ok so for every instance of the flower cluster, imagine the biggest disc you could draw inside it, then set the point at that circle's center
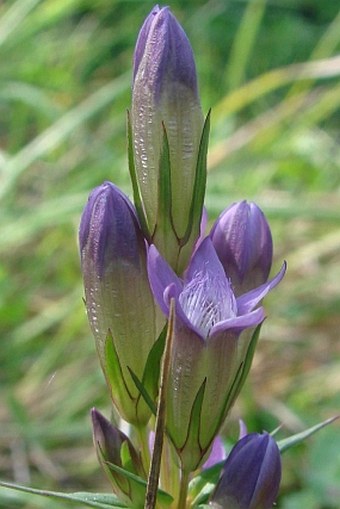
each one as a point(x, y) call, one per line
point(150, 262)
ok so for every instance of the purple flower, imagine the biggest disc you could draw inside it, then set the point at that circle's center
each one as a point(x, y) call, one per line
point(114, 447)
point(165, 96)
point(206, 347)
point(113, 261)
point(243, 242)
point(251, 475)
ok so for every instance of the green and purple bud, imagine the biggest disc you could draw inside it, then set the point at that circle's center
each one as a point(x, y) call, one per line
point(114, 449)
point(243, 242)
point(167, 129)
point(120, 306)
point(209, 360)
point(251, 475)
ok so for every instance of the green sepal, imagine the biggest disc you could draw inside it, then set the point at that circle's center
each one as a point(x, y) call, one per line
point(240, 377)
point(98, 500)
point(195, 215)
point(164, 222)
point(125, 457)
point(164, 234)
point(114, 375)
point(120, 484)
point(153, 364)
point(191, 452)
point(247, 361)
point(164, 497)
point(137, 198)
point(200, 182)
point(148, 386)
point(289, 442)
point(146, 396)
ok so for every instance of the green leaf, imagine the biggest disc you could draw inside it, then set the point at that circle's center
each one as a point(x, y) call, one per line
point(286, 443)
point(99, 500)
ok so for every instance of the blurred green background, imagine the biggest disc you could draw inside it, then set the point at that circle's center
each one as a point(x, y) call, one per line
point(270, 72)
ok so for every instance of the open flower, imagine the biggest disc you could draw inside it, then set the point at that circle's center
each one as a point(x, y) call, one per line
point(251, 475)
point(207, 356)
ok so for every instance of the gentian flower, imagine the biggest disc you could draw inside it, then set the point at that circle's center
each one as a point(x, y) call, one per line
point(207, 355)
point(251, 475)
point(243, 243)
point(115, 448)
point(165, 100)
point(120, 307)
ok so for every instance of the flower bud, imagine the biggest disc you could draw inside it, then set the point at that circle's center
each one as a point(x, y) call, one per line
point(119, 302)
point(114, 447)
point(251, 475)
point(165, 99)
point(243, 242)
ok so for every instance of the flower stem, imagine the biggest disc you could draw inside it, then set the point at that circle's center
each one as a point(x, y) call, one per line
point(142, 433)
point(182, 501)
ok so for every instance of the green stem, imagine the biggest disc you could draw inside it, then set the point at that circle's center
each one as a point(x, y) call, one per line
point(183, 492)
point(142, 434)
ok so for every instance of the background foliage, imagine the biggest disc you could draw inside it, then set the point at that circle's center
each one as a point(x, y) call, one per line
point(64, 88)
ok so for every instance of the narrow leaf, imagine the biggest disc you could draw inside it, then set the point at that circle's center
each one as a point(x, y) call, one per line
point(286, 443)
point(99, 500)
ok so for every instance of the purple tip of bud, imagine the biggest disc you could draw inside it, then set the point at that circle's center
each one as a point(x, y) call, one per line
point(243, 242)
point(107, 437)
point(142, 38)
point(109, 228)
point(251, 475)
point(163, 52)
